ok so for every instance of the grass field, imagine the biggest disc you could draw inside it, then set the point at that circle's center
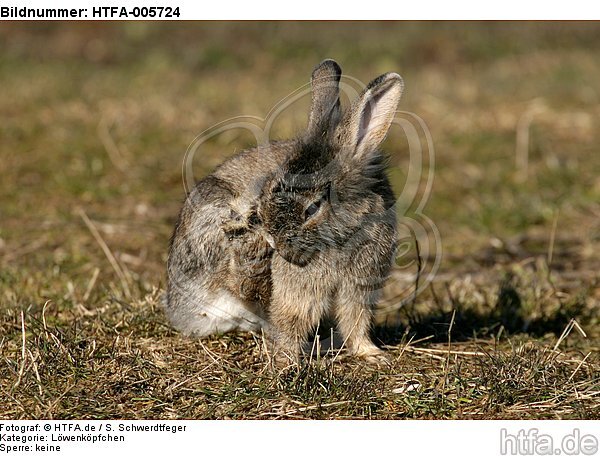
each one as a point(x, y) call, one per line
point(95, 122)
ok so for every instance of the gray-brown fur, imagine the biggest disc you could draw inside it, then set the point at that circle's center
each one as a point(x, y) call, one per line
point(214, 248)
point(310, 233)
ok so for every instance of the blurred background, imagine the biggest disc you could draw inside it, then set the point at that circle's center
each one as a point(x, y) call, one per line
point(96, 119)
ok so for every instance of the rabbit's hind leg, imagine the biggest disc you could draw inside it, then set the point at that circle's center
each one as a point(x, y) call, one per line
point(205, 313)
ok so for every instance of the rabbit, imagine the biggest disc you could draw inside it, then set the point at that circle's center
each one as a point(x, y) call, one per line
point(329, 213)
point(310, 232)
point(218, 267)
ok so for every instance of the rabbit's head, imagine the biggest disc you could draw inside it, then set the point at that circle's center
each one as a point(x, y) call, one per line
point(334, 180)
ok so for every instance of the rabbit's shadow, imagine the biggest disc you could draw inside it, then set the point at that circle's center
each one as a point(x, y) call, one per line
point(461, 322)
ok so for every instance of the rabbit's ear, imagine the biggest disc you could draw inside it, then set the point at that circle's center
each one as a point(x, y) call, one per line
point(325, 102)
point(368, 120)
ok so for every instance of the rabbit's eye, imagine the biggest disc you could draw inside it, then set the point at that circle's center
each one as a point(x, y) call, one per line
point(312, 210)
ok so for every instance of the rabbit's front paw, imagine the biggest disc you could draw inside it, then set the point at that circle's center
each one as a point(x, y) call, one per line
point(283, 353)
point(381, 359)
point(373, 355)
point(283, 360)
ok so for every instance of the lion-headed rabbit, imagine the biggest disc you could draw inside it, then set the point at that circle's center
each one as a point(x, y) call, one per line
point(280, 236)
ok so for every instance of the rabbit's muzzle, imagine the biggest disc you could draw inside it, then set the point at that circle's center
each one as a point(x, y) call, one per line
point(295, 250)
